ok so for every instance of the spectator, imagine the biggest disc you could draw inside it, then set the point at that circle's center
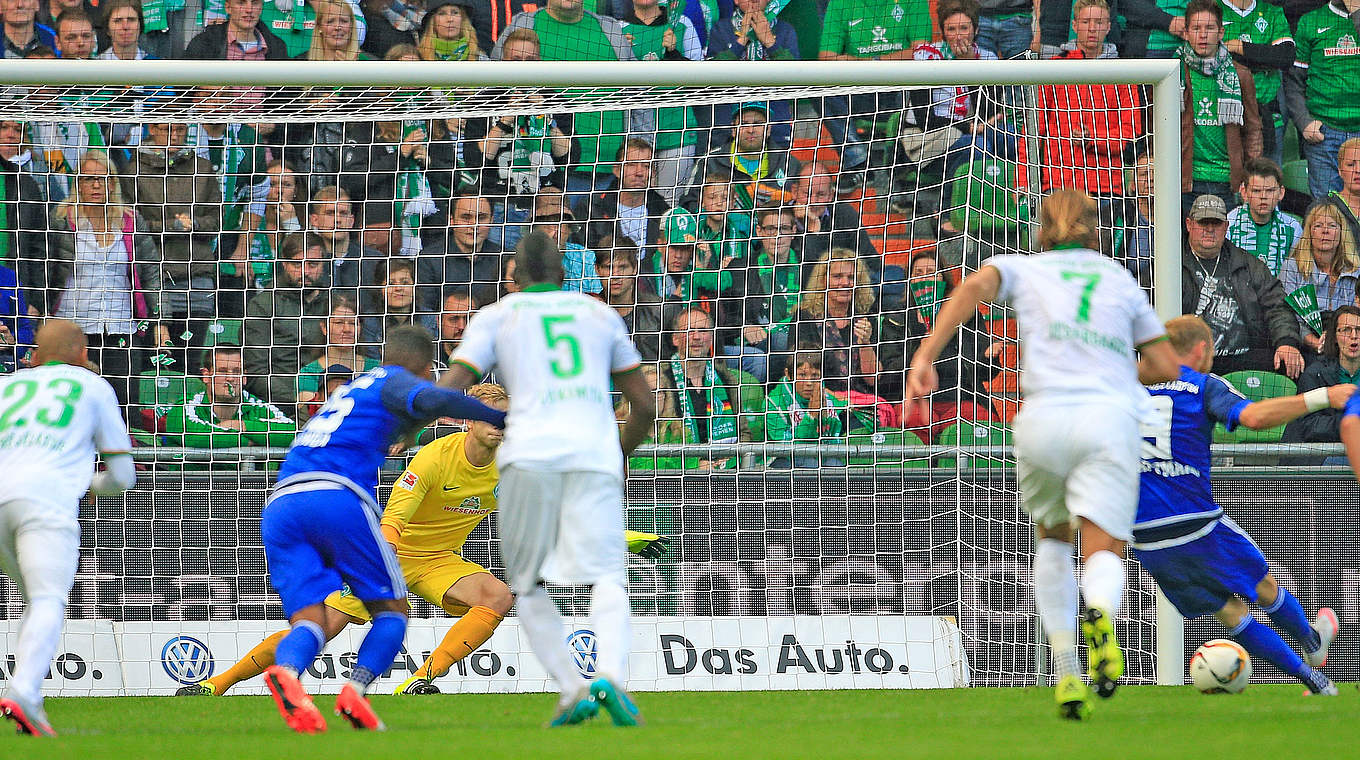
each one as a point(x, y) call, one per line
point(123, 23)
point(390, 165)
point(243, 37)
point(390, 23)
point(1087, 127)
point(837, 317)
point(629, 201)
point(293, 22)
point(671, 266)
point(16, 327)
point(330, 219)
point(104, 271)
point(713, 402)
point(642, 312)
point(446, 33)
point(282, 204)
point(862, 30)
point(1319, 90)
point(553, 216)
point(1235, 293)
point(49, 11)
point(281, 324)
point(1257, 35)
point(458, 309)
point(61, 144)
point(396, 308)
point(656, 36)
point(466, 259)
point(718, 277)
point(755, 33)
point(777, 267)
point(1152, 28)
point(800, 408)
point(1258, 226)
point(224, 414)
point(568, 32)
point(23, 219)
point(376, 232)
point(759, 169)
point(1005, 27)
point(723, 235)
point(23, 34)
point(340, 357)
point(1339, 363)
point(1347, 199)
point(963, 365)
point(334, 37)
point(1321, 276)
point(826, 221)
point(15, 150)
point(1220, 125)
point(1128, 234)
point(75, 35)
point(175, 192)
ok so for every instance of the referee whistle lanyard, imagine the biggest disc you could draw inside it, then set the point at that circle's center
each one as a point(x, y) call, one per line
point(722, 418)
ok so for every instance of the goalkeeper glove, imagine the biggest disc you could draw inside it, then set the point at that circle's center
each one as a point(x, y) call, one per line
point(646, 545)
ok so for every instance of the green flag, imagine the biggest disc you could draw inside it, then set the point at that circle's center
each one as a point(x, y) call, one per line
point(928, 295)
point(1304, 301)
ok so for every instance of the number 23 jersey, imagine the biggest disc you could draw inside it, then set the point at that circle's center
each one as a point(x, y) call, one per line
point(554, 352)
point(1081, 317)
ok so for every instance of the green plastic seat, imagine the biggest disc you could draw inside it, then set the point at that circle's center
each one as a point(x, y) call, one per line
point(981, 433)
point(223, 332)
point(887, 437)
point(1296, 176)
point(1257, 386)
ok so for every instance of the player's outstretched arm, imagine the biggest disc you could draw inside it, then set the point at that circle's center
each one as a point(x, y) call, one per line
point(458, 377)
point(1158, 362)
point(431, 402)
point(641, 409)
point(982, 285)
point(1259, 415)
point(119, 477)
point(646, 545)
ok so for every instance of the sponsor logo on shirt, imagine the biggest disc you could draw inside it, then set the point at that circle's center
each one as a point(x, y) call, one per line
point(898, 13)
point(1261, 24)
point(472, 505)
point(408, 480)
point(1344, 46)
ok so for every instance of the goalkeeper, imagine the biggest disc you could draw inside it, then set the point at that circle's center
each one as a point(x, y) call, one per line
point(448, 489)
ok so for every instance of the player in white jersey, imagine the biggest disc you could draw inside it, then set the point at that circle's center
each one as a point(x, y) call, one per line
point(1077, 440)
point(54, 417)
point(561, 464)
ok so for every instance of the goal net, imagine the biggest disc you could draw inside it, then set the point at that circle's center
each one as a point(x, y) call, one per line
point(778, 238)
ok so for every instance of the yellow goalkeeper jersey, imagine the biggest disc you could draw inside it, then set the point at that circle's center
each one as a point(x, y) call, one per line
point(439, 499)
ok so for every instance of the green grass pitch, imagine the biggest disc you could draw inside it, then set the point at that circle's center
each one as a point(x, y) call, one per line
point(995, 723)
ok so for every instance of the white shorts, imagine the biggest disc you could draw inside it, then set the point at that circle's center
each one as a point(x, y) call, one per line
point(562, 527)
point(1078, 461)
point(39, 549)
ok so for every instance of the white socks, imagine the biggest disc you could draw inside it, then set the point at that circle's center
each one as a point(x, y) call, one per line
point(1102, 582)
point(1055, 594)
point(542, 624)
point(610, 615)
point(39, 634)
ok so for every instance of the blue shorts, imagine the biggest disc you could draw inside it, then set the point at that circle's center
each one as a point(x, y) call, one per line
point(315, 541)
point(1200, 577)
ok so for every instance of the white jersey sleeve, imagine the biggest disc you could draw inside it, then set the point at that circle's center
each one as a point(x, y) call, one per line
point(1147, 326)
point(626, 356)
point(110, 432)
point(478, 348)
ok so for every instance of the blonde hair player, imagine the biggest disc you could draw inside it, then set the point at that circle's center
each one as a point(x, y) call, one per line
point(1082, 317)
point(448, 490)
point(54, 417)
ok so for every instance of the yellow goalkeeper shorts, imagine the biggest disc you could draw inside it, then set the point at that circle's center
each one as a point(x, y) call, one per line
point(428, 576)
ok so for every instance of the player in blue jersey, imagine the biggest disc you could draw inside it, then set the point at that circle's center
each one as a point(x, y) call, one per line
point(320, 525)
point(1200, 558)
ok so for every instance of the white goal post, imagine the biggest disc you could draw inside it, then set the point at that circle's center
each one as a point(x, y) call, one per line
point(31, 91)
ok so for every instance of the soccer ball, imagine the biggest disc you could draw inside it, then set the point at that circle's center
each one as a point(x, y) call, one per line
point(1220, 666)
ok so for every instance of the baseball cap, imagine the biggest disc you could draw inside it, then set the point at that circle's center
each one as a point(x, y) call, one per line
point(679, 227)
point(1209, 207)
point(339, 371)
point(754, 105)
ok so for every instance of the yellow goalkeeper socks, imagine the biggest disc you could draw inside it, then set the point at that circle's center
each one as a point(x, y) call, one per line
point(253, 664)
point(471, 631)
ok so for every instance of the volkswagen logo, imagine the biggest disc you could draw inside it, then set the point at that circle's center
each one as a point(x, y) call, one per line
point(583, 652)
point(186, 660)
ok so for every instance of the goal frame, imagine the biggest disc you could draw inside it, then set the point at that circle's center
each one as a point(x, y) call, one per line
point(1162, 76)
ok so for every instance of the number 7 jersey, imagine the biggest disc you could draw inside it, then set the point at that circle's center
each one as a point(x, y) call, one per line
point(53, 420)
point(1081, 316)
point(554, 352)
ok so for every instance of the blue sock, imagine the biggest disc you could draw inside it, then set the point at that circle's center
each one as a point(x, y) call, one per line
point(1288, 614)
point(300, 646)
point(379, 648)
point(1262, 641)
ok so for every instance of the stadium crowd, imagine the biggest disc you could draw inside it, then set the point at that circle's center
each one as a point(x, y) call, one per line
point(777, 262)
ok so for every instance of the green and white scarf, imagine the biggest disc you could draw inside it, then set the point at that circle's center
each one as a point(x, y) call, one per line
point(414, 199)
point(722, 414)
point(1227, 92)
point(452, 50)
point(1304, 302)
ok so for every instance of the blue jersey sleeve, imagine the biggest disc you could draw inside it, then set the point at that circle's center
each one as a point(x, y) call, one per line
point(429, 402)
point(1352, 408)
point(1222, 402)
point(398, 394)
